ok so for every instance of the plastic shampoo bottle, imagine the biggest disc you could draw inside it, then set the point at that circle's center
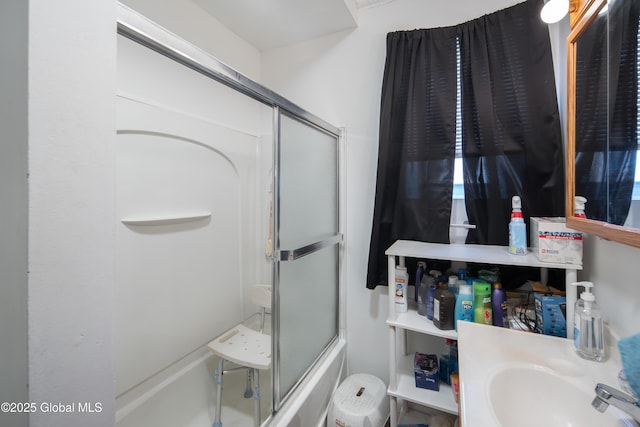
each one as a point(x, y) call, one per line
point(420, 269)
point(499, 305)
point(431, 289)
point(402, 282)
point(464, 303)
point(423, 290)
point(482, 302)
point(517, 229)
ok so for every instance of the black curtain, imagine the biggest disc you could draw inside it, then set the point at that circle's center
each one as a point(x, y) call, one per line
point(511, 131)
point(417, 143)
point(511, 141)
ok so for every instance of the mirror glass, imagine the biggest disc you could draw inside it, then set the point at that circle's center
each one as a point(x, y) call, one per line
point(591, 117)
point(603, 98)
point(623, 195)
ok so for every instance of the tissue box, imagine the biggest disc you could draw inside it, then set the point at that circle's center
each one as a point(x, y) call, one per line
point(551, 315)
point(553, 241)
point(425, 369)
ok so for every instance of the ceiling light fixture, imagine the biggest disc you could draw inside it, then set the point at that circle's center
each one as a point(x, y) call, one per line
point(554, 11)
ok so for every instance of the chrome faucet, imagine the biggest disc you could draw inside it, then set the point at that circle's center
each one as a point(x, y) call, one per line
point(606, 395)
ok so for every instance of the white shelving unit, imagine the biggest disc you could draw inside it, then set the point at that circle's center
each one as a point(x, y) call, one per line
point(401, 379)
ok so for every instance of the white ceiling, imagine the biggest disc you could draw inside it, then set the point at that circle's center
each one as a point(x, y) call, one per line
point(268, 24)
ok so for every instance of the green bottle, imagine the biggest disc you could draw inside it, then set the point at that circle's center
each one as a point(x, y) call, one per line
point(482, 302)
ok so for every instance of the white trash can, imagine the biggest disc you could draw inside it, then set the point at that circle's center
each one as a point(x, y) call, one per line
point(360, 401)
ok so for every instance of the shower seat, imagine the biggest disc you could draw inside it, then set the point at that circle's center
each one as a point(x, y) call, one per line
point(248, 347)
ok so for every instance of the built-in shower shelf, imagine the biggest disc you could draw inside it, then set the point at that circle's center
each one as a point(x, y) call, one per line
point(165, 220)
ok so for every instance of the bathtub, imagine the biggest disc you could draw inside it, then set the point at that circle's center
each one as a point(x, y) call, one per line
point(308, 405)
point(184, 395)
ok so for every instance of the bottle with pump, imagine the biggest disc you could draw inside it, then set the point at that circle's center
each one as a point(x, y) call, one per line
point(517, 229)
point(401, 285)
point(588, 335)
point(578, 207)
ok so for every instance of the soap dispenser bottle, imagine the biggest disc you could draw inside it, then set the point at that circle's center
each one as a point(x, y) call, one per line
point(588, 335)
point(517, 229)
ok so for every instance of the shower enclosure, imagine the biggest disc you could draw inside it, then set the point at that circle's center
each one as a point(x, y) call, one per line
point(222, 184)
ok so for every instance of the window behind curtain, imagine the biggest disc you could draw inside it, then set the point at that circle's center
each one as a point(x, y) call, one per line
point(459, 219)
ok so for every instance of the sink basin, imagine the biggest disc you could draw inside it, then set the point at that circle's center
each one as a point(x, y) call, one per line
point(514, 392)
point(513, 378)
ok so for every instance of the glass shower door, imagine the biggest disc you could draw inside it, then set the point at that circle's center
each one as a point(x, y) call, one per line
point(308, 238)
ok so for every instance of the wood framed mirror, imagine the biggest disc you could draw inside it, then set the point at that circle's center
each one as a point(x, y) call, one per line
point(603, 124)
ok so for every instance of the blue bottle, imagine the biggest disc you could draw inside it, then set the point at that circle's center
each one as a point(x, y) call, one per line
point(464, 304)
point(517, 229)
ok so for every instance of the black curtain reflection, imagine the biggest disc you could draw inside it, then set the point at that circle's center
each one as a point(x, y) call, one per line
point(417, 143)
point(591, 118)
point(607, 112)
point(623, 105)
point(512, 143)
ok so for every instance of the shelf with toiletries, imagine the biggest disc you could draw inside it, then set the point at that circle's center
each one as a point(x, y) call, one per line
point(402, 386)
point(405, 389)
point(412, 321)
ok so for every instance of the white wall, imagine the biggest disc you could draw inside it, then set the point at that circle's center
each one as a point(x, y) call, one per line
point(13, 210)
point(338, 77)
point(71, 242)
point(614, 269)
point(71, 208)
point(190, 22)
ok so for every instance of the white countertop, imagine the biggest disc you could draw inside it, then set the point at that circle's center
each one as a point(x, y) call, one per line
point(552, 379)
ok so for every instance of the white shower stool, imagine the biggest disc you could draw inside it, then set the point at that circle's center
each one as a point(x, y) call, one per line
point(247, 347)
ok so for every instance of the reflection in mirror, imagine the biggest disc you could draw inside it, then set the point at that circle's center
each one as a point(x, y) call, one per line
point(623, 109)
point(591, 118)
point(606, 138)
point(602, 103)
